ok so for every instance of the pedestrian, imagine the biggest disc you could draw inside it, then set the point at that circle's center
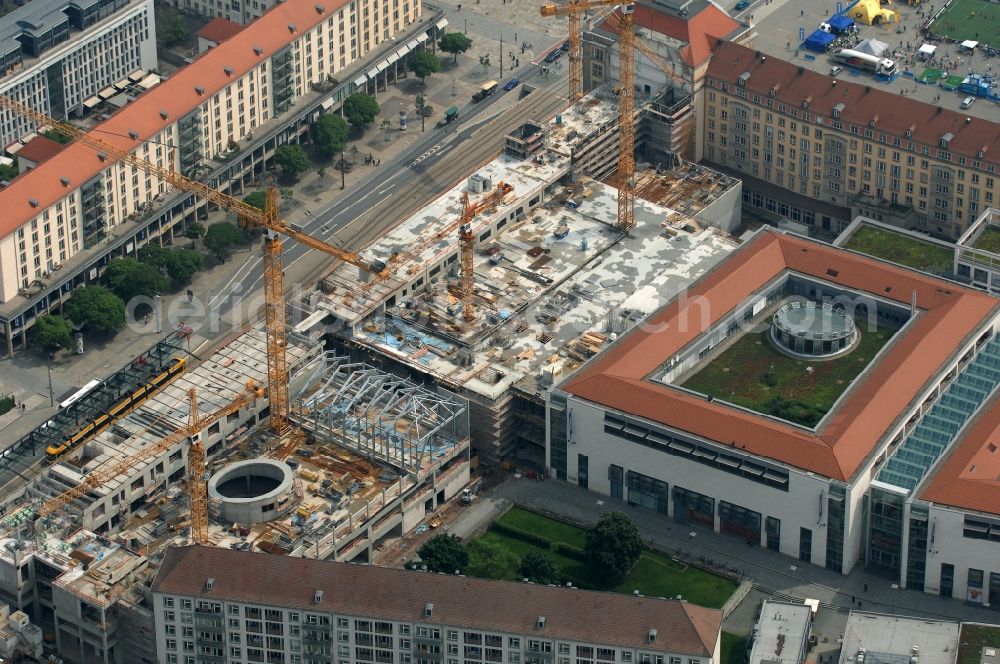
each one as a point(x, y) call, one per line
point(23, 406)
point(866, 585)
point(517, 62)
point(802, 12)
point(853, 599)
point(515, 37)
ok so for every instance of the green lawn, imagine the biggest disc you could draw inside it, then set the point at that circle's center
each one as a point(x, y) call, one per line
point(969, 19)
point(989, 240)
point(902, 249)
point(973, 639)
point(655, 575)
point(751, 373)
point(733, 648)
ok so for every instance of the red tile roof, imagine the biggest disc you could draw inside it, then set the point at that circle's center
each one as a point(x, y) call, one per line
point(892, 114)
point(699, 32)
point(219, 30)
point(402, 595)
point(40, 149)
point(951, 316)
point(969, 477)
point(176, 97)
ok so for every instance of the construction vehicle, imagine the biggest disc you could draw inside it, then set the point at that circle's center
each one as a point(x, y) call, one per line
point(251, 217)
point(196, 465)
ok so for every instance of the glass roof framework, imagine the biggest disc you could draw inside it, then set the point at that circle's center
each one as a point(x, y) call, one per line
point(939, 426)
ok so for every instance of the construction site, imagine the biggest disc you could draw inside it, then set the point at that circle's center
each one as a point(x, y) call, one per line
point(552, 277)
point(432, 348)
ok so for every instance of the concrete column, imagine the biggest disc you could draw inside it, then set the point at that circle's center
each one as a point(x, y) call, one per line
point(8, 331)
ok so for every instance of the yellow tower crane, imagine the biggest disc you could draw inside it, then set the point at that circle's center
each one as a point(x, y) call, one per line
point(268, 218)
point(467, 244)
point(626, 94)
point(196, 423)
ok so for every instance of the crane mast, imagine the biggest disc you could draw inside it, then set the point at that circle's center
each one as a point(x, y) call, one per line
point(197, 495)
point(101, 476)
point(274, 293)
point(626, 98)
point(626, 123)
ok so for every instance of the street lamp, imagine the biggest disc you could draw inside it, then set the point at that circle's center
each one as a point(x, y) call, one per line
point(343, 170)
point(156, 311)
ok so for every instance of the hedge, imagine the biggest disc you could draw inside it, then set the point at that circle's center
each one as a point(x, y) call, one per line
point(570, 551)
point(523, 535)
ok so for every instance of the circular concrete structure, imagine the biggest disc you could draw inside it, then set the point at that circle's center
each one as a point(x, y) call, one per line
point(810, 331)
point(252, 491)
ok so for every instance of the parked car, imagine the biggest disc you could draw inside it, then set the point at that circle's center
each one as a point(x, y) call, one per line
point(741, 5)
point(511, 84)
point(836, 69)
point(565, 45)
point(968, 101)
point(554, 55)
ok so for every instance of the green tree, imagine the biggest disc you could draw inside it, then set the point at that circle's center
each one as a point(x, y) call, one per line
point(8, 173)
point(194, 231)
point(222, 236)
point(492, 560)
point(455, 43)
point(321, 172)
point(386, 128)
point(423, 64)
point(56, 136)
point(329, 133)
point(360, 109)
point(421, 104)
point(129, 278)
point(181, 266)
point(444, 553)
point(154, 255)
point(539, 567)
point(175, 30)
point(292, 159)
point(257, 199)
point(97, 309)
point(613, 546)
point(52, 332)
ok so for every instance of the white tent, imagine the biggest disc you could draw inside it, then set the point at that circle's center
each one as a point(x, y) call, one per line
point(927, 51)
point(872, 47)
point(970, 44)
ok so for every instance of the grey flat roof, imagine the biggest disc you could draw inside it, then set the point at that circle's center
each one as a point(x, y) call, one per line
point(895, 639)
point(782, 632)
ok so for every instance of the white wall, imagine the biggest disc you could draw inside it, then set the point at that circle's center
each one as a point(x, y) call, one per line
point(799, 506)
point(950, 546)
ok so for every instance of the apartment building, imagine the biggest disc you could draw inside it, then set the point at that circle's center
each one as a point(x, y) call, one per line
point(200, 118)
point(212, 604)
point(821, 151)
point(55, 55)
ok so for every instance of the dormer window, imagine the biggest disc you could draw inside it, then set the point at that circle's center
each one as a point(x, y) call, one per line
point(909, 133)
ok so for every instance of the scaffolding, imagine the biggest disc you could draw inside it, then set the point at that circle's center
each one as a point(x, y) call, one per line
point(382, 416)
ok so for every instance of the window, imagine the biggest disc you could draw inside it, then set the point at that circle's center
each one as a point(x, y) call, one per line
point(168, 602)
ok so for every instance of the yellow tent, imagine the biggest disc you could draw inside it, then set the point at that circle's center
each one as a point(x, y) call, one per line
point(871, 12)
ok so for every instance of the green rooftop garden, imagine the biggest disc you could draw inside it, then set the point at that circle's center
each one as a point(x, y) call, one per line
point(988, 240)
point(902, 249)
point(973, 639)
point(752, 374)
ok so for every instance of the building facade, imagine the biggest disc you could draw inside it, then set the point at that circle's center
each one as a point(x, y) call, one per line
point(56, 55)
point(69, 209)
point(213, 604)
point(820, 151)
point(626, 426)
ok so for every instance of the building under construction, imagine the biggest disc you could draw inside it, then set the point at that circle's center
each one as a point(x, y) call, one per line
point(371, 456)
point(551, 277)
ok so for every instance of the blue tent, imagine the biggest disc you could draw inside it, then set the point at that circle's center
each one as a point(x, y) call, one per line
point(840, 23)
point(819, 41)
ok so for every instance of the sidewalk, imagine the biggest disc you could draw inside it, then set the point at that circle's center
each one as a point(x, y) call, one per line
point(772, 573)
